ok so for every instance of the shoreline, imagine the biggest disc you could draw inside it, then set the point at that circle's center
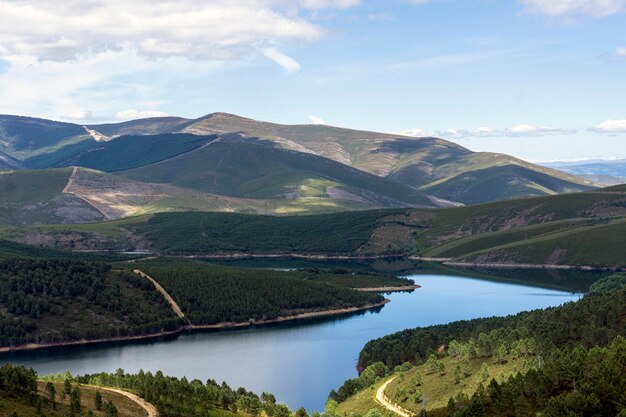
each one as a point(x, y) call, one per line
point(389, 289)
point(198, 327)
point(244, 255)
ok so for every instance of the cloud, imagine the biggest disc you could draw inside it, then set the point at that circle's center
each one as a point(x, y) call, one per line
point(132, 114)
point(620, 52)
point(566, 8)
point(610, 126)
point(523, 130)
point(316, 120)
point(288, 63)
point(196, 29)
point(79, 115)
point(328, 4)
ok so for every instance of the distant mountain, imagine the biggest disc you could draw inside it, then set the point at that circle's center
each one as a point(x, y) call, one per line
point(150, 126)
point(603, 172)
point(426, 163)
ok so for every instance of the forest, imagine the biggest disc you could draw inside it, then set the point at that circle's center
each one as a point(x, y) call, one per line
point(210, 294)
point(190, 233)
point(52, 301)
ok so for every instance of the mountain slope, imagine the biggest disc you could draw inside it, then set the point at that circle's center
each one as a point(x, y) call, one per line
point(418, 162)
point(149, 126)
point(24, 137)
point(240, 168)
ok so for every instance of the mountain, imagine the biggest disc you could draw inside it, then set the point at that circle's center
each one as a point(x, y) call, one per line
point(25, 137)
point(599, 171)
point(245, 158)
point(239, 167)
point(434, 165)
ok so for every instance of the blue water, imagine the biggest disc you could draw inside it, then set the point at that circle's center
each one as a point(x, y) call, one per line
point(299, 363)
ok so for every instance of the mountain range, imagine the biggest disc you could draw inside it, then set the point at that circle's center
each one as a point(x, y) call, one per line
point(224, 162)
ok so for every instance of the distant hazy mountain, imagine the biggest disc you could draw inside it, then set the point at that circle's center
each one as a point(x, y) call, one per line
point(601, 171)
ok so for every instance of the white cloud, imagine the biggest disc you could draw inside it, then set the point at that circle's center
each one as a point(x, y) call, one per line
point(197, 29)
point(316, 120)
point(132, 114)
point(79, 115)
point(565, 8)
point(523, 130)
point(620, 52)
point(610, 126)
point(328, 4)
point(288, 63)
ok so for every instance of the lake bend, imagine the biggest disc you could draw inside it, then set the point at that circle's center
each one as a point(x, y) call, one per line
point(298, 362)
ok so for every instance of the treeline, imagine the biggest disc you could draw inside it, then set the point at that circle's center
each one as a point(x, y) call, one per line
point(181, 397)
point(593, 321)
point(60, 300)
point(210, 294)
point(12, 250)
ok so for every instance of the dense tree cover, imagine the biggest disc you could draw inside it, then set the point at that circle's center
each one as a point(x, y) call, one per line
point(12, 250)
point(353, 279)
point(49, 301)
point(570, 382)
point(609, 283)
point(192, 232)
point(594, 320)
point(210, 294)
point(179, 397)
point(18, 381)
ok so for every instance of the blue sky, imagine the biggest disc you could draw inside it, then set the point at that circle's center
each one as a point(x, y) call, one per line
point(539, 79)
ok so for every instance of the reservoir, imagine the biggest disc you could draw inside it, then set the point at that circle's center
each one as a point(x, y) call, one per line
point(299, 362)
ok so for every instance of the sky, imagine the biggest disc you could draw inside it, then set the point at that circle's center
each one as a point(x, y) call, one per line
point(543, 80)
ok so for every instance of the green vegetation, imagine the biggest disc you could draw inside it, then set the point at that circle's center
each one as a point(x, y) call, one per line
point(247, 169)
point(22, 137)
point(437, 166)
point(188, 233)
point(210, 294)
point(182, 398)
point(610, 283)
point(551, 361)
point(353, 279)
point(30, 197)
point(57, 301)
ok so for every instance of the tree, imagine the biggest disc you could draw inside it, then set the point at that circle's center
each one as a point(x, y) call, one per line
point(74, 402)
point(98, 401)
point(417, 380)
point(301, 412)
point(110, 410)
point(67, 387)
point(52, 392)
point(483, 374)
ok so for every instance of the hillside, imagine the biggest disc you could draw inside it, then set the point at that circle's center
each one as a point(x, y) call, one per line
point(435, 166)
point(552, 362)
point(229, 165)
point(572, 229)
point(427, 163)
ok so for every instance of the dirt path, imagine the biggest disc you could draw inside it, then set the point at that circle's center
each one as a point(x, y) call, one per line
point(150, 409)
point(382, 398)
point(165, 294)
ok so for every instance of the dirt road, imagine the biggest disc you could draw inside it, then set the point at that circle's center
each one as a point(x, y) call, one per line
point(382, 398)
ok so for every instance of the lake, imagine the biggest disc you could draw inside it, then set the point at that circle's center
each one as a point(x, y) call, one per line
point(299, 363)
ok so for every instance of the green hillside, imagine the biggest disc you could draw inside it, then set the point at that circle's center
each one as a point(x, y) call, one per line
point(24, 137)
point(578, 229)
point(37, 197)
point(427, 163)
point(243, 169)
point(550, 362)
